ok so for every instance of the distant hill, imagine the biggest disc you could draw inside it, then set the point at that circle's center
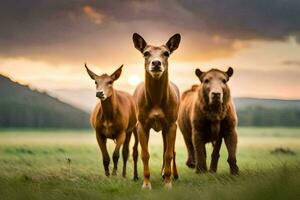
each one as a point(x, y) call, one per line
point(268, 112)
point(20, 106)
point(242, 103)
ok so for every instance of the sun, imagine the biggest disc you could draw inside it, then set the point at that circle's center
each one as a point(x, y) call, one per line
point(134, 80)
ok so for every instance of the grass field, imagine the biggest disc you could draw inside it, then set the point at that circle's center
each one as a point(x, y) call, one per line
point(34, 165)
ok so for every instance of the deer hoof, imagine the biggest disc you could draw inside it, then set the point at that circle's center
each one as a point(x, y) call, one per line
point(107, 173)
point(168, 185)
point(175, 177)
point(147, 186)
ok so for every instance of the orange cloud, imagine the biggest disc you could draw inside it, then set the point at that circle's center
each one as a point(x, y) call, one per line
point(95, 16)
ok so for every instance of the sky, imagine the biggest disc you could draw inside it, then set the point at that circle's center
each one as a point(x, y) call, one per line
point(45, 43)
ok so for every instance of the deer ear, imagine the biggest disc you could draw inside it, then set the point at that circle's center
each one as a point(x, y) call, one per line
point(139, 42)
point(91, 74)
point(229, 72)
point(198, 73)
point(117, 73)
point(173, 42)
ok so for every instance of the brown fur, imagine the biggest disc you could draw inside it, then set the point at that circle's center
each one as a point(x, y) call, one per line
point(157, 102)
point(115, 118)
point(201, 123)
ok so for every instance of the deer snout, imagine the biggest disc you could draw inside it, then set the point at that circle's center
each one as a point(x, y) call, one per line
point(100, 94)
point(216, 95)
point(156, 66)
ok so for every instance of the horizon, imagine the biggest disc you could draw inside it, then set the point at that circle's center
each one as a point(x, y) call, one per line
point(85, 100)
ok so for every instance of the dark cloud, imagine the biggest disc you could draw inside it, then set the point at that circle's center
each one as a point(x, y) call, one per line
point(255, 19)
point(58, 30)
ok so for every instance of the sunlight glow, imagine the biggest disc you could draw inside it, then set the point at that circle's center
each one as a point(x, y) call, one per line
point(134, 80)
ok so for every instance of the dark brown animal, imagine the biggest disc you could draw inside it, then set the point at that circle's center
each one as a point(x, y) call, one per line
point(207, 114)
point(157, 102)
point(114, 117)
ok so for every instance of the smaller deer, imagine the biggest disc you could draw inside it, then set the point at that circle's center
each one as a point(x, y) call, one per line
point(114, 117)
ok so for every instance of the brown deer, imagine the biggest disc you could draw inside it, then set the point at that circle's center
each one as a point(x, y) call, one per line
point(114, 117)
point(207, 114)
point(157, 105)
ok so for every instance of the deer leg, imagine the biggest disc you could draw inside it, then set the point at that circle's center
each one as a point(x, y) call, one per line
point(144, 138)
point(135, 154)
point(175, 171)
point(200, 152)
point(231, 143)
point(170, 135)
point(190, 148)
point(102, 144)
point(119, 141)
point(125, 152)
point(215, 155)
point(164, 150)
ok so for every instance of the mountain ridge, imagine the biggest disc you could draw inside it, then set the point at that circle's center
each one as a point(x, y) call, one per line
point(22, 106)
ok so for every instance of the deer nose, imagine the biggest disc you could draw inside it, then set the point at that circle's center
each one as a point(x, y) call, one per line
point(216, 95)
point(156, 65)
point(100, 94)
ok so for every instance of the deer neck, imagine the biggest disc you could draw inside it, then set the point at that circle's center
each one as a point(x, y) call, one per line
point(157, 90)
point(109, 107)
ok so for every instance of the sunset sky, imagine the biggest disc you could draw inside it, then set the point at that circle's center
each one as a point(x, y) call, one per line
point(46, 43)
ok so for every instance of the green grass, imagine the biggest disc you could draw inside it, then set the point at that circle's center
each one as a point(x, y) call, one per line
point(33, 165)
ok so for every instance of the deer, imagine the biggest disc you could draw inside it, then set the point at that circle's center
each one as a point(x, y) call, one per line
point(114, 117)
point(157, 102)
point(207, 114)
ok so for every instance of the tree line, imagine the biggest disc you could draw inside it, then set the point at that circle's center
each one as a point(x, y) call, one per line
point(262, 116)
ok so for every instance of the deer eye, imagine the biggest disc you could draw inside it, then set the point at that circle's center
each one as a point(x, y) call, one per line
point(110, 82)
point(206, 81)
point(224, 81)
point(146, 54)
point(166, 53)
point(96, 82)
